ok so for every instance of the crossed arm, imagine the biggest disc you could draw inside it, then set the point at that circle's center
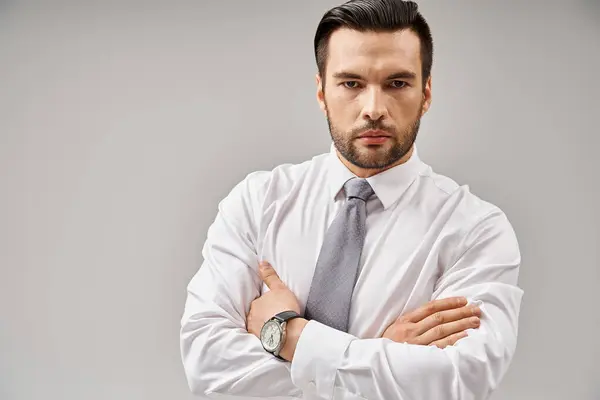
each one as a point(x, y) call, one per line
point(440, 322)
point(221, 356)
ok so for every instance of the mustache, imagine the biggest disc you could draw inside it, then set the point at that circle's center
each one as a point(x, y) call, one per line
point(372, 126)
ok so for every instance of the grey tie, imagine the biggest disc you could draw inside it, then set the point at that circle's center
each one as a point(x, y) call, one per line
point(337, 266)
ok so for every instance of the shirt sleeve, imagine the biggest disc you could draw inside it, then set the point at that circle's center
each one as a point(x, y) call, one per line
point(330, 364)
point(220, 357)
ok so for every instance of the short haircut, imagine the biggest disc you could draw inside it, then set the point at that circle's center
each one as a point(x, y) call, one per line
point(375, 16)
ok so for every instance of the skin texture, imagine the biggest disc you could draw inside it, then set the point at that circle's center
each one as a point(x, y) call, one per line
point(372, 82)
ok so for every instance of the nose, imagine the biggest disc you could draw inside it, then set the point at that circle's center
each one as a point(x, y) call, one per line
point(374, 107)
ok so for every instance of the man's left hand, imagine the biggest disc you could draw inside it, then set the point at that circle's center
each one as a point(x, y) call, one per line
point(279, 298)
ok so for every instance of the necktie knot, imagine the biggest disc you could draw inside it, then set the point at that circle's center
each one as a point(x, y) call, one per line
point(358, 188)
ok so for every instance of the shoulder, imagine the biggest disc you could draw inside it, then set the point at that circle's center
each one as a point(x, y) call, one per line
point(464, 204)
point(471, 221)
point(261, 186)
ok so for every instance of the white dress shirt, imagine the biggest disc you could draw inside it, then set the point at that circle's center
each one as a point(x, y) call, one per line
point(427, 238)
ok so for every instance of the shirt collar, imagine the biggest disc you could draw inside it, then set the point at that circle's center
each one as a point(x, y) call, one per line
point(388, 185)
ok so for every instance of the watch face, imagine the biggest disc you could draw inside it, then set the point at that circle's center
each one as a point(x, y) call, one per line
point(270, 335)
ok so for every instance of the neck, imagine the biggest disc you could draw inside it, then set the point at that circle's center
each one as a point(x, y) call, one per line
point(368, 172)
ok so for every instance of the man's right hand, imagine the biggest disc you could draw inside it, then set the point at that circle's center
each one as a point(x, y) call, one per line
point(440, 323)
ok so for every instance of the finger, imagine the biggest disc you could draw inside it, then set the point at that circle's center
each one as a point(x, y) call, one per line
point(450, 340)
point(434, 306)
point(443, 317)
point(269, 276)
point(444, 330)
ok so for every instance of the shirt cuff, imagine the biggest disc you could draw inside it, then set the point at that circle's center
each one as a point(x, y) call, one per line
point(319, 351)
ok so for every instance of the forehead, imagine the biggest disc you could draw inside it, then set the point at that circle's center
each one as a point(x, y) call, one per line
point(372, 52)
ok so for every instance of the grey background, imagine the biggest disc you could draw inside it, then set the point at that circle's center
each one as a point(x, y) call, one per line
point(123, 124)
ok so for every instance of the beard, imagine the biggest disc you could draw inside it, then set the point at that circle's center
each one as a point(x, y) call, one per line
point(374, 156)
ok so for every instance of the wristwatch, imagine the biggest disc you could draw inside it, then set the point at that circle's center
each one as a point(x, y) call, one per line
point(273, 332)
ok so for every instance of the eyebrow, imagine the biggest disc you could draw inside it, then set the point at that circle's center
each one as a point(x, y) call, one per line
point(398, 75)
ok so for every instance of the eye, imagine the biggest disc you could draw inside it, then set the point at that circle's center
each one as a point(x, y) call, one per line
point(397, 84)
point(350, 84)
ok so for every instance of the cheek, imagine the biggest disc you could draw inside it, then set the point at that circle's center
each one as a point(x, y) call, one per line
point(341, 119)
point(406, 107)
point(342, 109)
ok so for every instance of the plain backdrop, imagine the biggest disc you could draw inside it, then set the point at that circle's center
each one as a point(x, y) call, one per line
point(123, 124)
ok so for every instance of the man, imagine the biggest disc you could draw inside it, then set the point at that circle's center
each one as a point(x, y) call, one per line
point(361, 273)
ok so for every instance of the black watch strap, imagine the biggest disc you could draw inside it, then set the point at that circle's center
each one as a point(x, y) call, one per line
point(286, 316)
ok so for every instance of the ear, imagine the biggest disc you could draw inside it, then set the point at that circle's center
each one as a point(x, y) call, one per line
point(320, 93)
point(426, 97)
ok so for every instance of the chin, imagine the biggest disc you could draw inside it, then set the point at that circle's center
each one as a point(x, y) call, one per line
point(373, 160)
point(372, 149)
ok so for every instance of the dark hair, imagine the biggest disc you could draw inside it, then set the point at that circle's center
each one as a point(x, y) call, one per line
point(378, 16)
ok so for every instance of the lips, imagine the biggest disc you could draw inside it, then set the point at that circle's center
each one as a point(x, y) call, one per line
point(375, 134)
point(373, 140)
